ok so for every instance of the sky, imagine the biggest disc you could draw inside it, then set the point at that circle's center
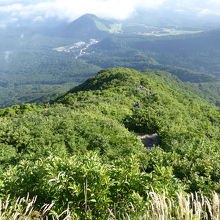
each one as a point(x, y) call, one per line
point(37, 10)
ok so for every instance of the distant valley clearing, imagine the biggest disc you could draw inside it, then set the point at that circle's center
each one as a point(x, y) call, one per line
point(79, 48)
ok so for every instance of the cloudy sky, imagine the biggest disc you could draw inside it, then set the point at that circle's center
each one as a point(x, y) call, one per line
point(119, 9)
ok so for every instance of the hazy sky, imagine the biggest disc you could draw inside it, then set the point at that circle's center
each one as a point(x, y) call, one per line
point(119, 9)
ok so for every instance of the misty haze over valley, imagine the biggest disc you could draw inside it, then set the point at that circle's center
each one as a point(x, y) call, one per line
point(39, 60)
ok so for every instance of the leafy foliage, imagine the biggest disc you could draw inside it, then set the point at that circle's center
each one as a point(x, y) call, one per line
point(82, 150)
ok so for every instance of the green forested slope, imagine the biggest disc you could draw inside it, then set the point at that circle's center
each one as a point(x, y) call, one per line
point(31, 70)
point(82, 150)
point(192, 58)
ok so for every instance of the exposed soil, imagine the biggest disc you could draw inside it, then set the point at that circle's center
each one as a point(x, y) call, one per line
point(148, 140)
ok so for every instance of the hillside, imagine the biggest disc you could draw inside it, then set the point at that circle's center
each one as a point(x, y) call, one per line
point(84, 151)
point(192, 58)
point(197, 52)
point(36, 66)
point(90, 26)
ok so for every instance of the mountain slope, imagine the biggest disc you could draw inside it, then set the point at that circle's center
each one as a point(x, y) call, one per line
point(198, 52)
point(88, 142)
point(193, 58)
point(90, 26)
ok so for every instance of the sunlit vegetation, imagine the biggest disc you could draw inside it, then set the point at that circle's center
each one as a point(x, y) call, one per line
point(158, 207)
point(31, 71)
point(192, 58)
point(81, 153)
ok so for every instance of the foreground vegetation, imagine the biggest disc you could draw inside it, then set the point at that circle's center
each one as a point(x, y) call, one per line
point(82, 153)
point(158, 207)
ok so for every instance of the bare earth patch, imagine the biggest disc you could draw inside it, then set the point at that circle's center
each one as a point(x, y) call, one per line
point(148, 140)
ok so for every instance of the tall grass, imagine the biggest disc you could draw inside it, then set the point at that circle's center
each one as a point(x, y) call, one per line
point(158, 207)
point(189, 207)
point(185, 207)
point(25, 209)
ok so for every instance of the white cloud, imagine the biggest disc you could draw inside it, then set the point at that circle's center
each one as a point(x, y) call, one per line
point(180, 11)
point(3, 26)
point(206, 11)
point(150, 4)
point(119, 9)
point(214, 2)
point(70, 9)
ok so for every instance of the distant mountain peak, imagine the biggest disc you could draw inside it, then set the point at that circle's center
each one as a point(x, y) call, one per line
point(88, 15)
point(90, 26)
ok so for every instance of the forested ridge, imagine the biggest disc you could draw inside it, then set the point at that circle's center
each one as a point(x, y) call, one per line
point(36, 67)
point(83, 152)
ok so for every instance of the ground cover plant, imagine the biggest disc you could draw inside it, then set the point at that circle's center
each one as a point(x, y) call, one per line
point(82, 153)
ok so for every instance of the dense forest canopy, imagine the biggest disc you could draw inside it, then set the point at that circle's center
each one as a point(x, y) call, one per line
point(84, 150)
point(37, 64)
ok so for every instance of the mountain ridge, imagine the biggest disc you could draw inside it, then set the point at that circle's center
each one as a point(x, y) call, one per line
point(94, 133)
point(90, 26)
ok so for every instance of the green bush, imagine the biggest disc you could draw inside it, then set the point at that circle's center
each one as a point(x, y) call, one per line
point(87, 185)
